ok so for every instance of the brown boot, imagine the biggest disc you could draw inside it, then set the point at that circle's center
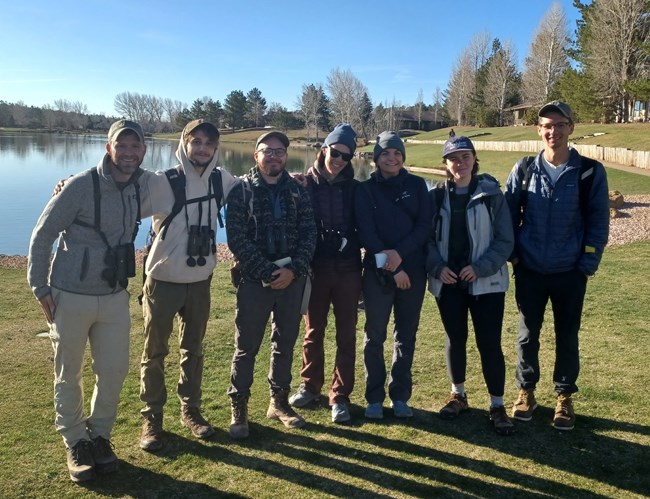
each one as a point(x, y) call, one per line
point(81, 464)
point(525, 404)
point(151, 439)
point(239, 419)
point(279, 408)
point(192, 419)
point(565, 417)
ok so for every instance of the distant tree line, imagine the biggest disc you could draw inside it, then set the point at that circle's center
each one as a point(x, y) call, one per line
point(604, 72)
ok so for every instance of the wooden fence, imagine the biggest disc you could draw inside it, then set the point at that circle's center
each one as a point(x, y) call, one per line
point(618, 155)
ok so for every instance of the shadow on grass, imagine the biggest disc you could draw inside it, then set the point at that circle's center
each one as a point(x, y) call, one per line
point(141, 483)
point(585, 451)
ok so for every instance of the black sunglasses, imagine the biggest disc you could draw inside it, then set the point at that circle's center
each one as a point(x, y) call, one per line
point(336, 153)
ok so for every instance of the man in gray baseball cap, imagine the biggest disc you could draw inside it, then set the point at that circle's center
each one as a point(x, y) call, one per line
point(82, 292)
point(559, 204)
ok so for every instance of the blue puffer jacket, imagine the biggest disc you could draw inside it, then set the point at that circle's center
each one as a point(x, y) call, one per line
point(551, 235)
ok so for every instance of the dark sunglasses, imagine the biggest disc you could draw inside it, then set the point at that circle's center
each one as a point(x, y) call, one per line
point(338, 154)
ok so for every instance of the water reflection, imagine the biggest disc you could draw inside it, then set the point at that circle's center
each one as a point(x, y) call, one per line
point(32, 163)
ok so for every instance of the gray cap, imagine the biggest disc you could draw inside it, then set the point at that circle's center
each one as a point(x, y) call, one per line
point(388, 140)
point(557, 106)
point(194, 124)
point(343, 133)
point(120, 125)
point(270, 135)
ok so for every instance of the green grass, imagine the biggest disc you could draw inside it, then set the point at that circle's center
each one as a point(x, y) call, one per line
point(605, 456)
point(630, 135)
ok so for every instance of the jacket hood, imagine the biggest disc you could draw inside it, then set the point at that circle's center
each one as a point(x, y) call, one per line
point(184, 160)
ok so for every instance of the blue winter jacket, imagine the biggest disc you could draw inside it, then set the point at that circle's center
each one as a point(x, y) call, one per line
point(551, 235)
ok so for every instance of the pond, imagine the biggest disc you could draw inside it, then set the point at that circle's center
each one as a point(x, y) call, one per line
point(32, 164)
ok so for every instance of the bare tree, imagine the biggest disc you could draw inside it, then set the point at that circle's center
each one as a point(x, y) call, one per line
point(419, 108)
point(172, 109)
point(346, 97)
point(437, 105)
point(547, 56)
point(616, 48)
point(460, 87)
point(311, 104)
point(500, 84)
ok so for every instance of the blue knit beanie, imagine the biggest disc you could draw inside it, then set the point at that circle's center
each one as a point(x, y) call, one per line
point(388, 140)
point(343, 133)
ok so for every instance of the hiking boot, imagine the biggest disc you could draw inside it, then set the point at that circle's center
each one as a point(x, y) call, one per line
point(239, 419)
point(565, 417)
point(501, 421)
point(192, 419)
point(456, 403)
point(524, 405)
point(340, 413)
point(279, 408)
point(105, 458)
point(81, 464)
point(151, 438)
point(401, 409)
point(303, 397)
point(374, 411)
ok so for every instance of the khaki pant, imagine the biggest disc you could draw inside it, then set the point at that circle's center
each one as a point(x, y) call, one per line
point(162, 302)
point(104, 322)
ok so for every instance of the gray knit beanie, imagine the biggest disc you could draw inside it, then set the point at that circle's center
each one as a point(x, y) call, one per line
point(388, 140)
point(343, 133)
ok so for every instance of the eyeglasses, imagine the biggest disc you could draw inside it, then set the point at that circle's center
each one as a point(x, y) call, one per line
point(279, 152)
point(562, 125)
point(335, 153)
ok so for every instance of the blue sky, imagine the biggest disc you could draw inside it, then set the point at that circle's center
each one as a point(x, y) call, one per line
point(91, 51)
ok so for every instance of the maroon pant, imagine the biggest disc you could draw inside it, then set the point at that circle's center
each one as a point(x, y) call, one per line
point(342, 291)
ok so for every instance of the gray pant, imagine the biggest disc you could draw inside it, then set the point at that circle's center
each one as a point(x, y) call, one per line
point(162, 302)
point(255, 304)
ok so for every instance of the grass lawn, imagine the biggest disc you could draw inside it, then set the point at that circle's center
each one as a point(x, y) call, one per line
point(607, 455)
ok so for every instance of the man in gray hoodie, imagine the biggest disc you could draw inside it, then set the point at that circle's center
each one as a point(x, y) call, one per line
point(179, 272)
point(83, 293)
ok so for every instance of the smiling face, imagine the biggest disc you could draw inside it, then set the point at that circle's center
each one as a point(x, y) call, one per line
point(126, 153)
point(554, 130)
point(201, 148)
point(271, 158)
point(460, 165)
point(334, 165)
point(390, 162)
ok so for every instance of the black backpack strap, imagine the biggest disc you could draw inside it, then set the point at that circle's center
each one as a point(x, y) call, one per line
point(524, 180)
point(176, 180)
point(587, 174)
point(217, 191)
point(138, 219)
point(438, 193)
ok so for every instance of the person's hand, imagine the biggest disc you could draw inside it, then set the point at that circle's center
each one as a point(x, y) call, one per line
point(300, 178)
point(393, 260)
point(59, 186)
point(402, 280)
point(467, 274)
point(281, 278)
point(448, 276)
point(48, 306)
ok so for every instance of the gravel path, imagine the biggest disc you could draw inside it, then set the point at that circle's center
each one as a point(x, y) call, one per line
point(632, 225)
